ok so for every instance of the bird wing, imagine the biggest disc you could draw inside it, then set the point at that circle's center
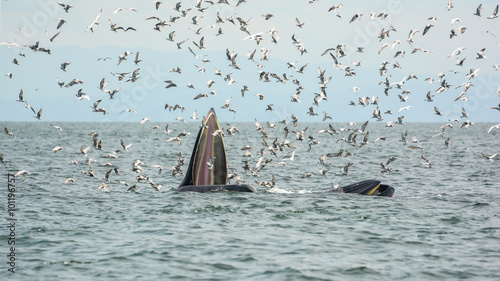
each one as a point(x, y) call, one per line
point(363, 127)
point(478, 9)
point(96, 21)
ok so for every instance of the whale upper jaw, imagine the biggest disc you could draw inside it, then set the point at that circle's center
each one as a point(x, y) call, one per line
point(207, 170)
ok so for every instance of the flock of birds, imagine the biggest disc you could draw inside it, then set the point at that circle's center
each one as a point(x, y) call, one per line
point(203, 21)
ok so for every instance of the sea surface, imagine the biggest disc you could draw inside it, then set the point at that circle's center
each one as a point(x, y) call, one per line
point(441, 224)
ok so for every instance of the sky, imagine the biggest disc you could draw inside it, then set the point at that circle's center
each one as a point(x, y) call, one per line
point(31, 21)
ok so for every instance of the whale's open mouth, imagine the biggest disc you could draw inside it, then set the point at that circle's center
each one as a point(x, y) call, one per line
point(208, 164)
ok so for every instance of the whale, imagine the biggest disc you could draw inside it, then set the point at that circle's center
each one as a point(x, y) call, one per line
point(207, 170)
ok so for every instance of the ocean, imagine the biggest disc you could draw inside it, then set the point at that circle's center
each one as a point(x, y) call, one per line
point(441, 224)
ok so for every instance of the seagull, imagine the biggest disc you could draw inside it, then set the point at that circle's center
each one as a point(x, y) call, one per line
point(495, 107)
point(95, 109)
point(494, 15)
point(171, 36)
point(168, 131)
point(64, 65)
point(356, 16)
point(180, 43)
point(57, 127)
point(157, 4)
point(102, 84)
point(335, 8)
point(437, 112)
point(179, 140)
point(411, 35)
point(180, 119)
point(426, 29)
point(210, 163)
point(8, 132)
point(85, 150)
point(21, 173)
point(405, 108)
point(244, 89)
point(450, 5)
point(460, 62)
point(403, 99)
point(464, 113)
point(301, 70)
point(454, 20)
point(472, 73)
point(195, 20)
point(202, 95)
point(113, 154)
point(61, 22)
point(57, 149)
point(382, 47)
point(267, 16)
point(497, 126)
point(66, 7)
point(299, 24)
point(152, 128)
point(478, 10)
point(400, 120)
point(345, 169)
point(295, 98)
point(126, 147)
point(136, 59)
point(39, 114)
point(68, 180)
point(384, 168)
point(129, 110)
point(95, 22)
point(447, 142)
point(21, 97)
point(480, 54)
point(461, 29)
point(117, 11)
point(170, 83)
point(427, 162)
point(103, 186)
point(144, 120)
point(112, 93)
point(9, 45)
point(489, 157)
point(376, 114)
point(195, 115)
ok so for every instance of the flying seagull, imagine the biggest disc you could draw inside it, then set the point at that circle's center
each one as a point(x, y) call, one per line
point(95, 22)
point(494, 15)
point(66, 7)
point(39, 114)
